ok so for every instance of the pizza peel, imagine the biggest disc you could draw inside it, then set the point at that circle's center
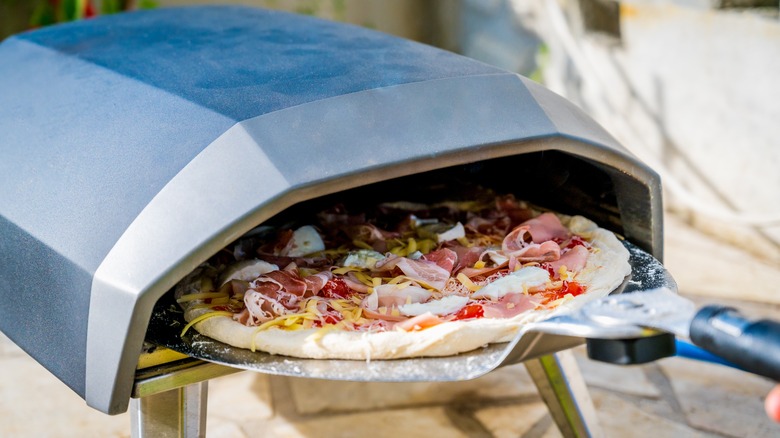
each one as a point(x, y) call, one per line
point(644, 305)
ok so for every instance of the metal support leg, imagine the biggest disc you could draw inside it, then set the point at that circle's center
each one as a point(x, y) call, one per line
point(179, 413)
point(563, 389)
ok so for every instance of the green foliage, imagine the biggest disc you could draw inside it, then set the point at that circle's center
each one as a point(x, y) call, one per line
point(147, 4)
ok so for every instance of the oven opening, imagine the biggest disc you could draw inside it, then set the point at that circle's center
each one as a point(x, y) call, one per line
point(550, 180)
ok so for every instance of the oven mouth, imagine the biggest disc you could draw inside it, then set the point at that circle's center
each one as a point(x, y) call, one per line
point(550, 179)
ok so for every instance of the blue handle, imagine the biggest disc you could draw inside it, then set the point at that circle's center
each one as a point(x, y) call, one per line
point(690, 351)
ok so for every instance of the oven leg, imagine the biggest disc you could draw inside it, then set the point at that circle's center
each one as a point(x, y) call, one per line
point(179, 412)
point(563, 389)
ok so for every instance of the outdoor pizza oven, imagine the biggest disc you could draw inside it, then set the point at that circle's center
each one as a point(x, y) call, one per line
point(135, 146)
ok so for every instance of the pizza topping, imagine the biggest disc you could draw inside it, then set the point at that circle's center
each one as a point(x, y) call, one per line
point(443, 306)
point(517, 281)
point(363, 258)
point(515, 245)
point(424, 271)
point(470, 311)
point(444, 258)
point(510, 305)
point(419, 322)
point(395, 295)
point(454, 233)
point(247, 270)
point(336, 288)
point(572, 260)
point(304, 241)
point(467, 256)
point(546, 227)
point(315, 282)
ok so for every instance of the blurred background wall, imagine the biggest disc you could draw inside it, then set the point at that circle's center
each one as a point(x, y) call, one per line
point(692, 87)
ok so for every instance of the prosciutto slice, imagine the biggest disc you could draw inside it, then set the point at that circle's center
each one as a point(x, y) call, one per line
point(389, 296)
point(515, 245)
point(535, 240)
point(419, 322)
point(510, 305)
point(424, 271)
point(315, 283)
point(466, 256)
point(546, 227)
point(445, 258)
point(273, 294)
point(574, 260)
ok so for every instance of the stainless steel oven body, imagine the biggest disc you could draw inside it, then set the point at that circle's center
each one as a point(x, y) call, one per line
point(135, 146)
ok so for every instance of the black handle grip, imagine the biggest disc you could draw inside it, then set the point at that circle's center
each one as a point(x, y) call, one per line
point(753, 345)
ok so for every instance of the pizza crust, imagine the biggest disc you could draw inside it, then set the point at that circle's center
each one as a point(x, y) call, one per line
point(605, 270)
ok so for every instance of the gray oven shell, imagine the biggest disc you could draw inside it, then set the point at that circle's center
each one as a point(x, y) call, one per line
point(133, 147)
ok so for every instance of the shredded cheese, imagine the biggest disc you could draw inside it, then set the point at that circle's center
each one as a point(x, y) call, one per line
point(426, 245)
point(364, 278)
point(563, 272)
point(361, 244)
point(466, 281)
point(206, 283)
point(346, 269)
point(204, 316)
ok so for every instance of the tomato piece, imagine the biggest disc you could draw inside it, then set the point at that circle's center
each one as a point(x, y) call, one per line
point(336, 288)
point(549, 269)
point(327, 319)
point(470, 311)
point(576, 241)
point(572, 287)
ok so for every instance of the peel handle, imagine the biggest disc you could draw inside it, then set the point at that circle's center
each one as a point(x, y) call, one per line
point(753, 345)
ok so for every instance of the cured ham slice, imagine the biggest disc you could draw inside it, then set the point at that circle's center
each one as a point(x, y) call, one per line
point(510, 305)
point(419, 322)
point(425, 272)
point(315, 283)
point(574, 260)
point(371, 304)
point(466, 256)
point(523, 245)
point(287, 281)
point(546, 227)
point(538, 252)
point(445, 258)
point(273, 294)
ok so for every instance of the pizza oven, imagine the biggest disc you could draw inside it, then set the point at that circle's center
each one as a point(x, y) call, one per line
point(135, 146)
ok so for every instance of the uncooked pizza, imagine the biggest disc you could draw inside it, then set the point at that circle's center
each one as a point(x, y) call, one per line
point(400, 279)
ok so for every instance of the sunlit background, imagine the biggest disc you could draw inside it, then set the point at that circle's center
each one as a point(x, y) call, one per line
point(692, 87)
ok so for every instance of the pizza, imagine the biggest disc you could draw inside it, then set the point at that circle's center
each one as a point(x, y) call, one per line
point(400, 279)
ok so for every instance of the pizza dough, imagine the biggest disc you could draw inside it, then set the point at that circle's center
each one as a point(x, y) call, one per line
point(605, 269)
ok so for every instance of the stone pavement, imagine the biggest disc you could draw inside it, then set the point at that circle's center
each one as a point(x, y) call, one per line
point(673, 397)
